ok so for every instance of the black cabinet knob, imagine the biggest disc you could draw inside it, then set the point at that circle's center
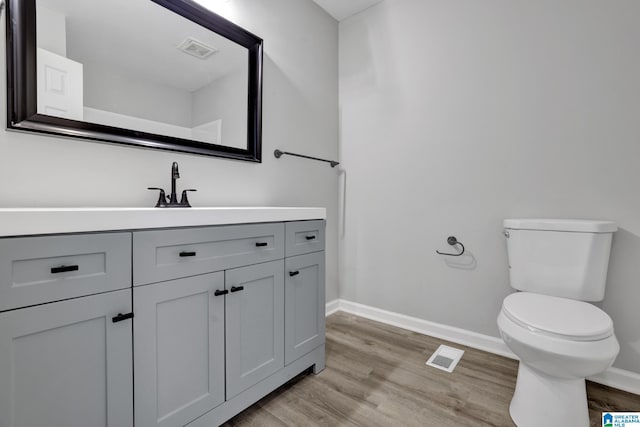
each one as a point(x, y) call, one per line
point(187, 253)
point(220, 292)
point(261, 244)
point(310, 237)
point(237, 288)
point(294, 273)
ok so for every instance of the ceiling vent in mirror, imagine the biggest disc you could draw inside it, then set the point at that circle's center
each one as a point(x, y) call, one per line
point(196, 48)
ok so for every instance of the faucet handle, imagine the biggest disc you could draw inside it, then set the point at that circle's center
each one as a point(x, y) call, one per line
point(162, 199)
point(184, 202)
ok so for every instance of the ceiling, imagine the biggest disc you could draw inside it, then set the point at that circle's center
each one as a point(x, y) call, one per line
point(132, 38)
point(342, 9)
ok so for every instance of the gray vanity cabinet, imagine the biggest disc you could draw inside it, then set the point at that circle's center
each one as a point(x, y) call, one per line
point(254, 324)
point(179, 349)
point(304, 304)
point(67, 364)
point(161, 327)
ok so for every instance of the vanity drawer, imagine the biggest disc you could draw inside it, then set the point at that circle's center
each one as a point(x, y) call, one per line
point(303, 237)
point(36, 270)
point(161, 255)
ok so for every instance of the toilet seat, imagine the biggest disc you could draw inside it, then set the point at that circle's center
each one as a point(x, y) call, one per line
point(558, 317)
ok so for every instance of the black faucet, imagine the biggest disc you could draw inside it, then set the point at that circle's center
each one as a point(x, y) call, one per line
point(175, 174)
point(173, 197)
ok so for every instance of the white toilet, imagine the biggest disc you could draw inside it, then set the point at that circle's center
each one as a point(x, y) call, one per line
point(559, 338)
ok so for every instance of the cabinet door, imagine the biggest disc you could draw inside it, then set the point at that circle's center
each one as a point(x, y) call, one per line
point(67, 364)
point(255, 324)
point(304, 304)
point(179, 354)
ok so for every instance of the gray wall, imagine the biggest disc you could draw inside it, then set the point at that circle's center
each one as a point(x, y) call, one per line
point(109, 90)
point(457, 114)
point(220, 100)
point(52, 31)
point(300, 114)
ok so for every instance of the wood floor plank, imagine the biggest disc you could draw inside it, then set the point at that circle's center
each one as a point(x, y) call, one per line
point(606, 399)
point(376, 376)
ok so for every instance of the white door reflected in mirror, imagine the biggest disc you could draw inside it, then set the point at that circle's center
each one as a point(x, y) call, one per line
point(59, 86)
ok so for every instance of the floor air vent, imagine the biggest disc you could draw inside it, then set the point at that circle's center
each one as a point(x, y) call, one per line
point(445, 358)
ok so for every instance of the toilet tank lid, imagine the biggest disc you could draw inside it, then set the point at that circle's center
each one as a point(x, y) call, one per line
point(576, 225)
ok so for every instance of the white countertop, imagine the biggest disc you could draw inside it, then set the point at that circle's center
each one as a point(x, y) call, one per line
point(22, 222)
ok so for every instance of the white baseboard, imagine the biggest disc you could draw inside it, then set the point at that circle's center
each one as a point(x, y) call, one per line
point(437, 330)
point(613, 377)
point(332, 307)
point(619, 378)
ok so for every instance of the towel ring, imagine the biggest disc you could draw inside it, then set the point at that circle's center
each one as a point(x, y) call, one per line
point(452, 241)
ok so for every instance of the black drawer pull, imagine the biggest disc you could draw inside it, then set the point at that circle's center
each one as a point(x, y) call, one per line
point(236, 288)
point(219, 292)
point(120, 317)
point(261, 244)
point(294, 273)
point(64, 269)
point(187, 253)
point(310, 237)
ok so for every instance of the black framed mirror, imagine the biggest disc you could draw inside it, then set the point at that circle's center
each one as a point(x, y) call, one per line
point(164, 74)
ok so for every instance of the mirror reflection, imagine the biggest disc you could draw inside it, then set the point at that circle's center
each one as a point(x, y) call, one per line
point(115, 63)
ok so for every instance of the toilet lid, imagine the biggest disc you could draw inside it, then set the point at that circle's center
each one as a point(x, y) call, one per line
point(570, 319)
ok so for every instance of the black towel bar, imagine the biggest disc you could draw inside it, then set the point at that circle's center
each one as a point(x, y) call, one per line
point(279, 154)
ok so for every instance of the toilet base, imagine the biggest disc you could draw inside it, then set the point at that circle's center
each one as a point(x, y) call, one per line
point(541, 400)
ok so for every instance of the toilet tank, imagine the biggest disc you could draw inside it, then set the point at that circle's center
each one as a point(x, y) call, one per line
point(559, 257)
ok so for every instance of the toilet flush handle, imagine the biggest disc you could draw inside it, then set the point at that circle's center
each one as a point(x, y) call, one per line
point(506, 233)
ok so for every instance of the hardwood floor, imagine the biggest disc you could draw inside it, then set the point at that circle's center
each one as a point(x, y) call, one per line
point(376, 376)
